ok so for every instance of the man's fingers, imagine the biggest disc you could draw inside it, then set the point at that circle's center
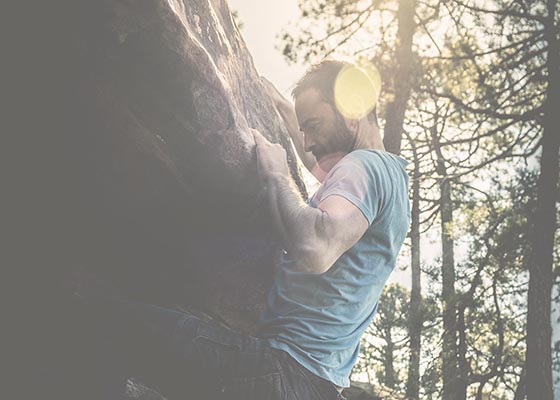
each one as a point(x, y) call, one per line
point(259, 138)
point(271, 157)
point(269, 85)
point(277, 98)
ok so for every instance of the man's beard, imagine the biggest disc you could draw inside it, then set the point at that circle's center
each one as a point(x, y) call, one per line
point(342, 141)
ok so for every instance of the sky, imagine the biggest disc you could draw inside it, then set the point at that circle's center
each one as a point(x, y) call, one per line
point(259, 32)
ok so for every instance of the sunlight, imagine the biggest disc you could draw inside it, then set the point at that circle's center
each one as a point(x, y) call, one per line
point(356, 90)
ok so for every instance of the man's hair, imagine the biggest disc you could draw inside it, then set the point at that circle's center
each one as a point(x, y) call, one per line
point(322, 77)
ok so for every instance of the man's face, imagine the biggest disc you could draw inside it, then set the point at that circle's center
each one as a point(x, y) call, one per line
point(324, 130)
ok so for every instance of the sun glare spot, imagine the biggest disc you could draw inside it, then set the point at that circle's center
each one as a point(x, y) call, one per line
point(356, 90)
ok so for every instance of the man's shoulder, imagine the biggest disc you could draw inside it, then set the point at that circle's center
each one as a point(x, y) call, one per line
point(374, 156)
point(373, 168)
point(362, 162)
point(369, 162)
point(385, 172)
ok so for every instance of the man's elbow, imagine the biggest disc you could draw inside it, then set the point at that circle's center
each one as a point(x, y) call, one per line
point(313, 260)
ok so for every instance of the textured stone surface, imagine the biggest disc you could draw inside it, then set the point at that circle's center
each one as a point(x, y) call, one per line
point(167, 203)
point(130, 160)
point(170, 92)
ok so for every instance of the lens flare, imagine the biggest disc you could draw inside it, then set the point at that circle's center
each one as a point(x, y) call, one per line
point(356, 90)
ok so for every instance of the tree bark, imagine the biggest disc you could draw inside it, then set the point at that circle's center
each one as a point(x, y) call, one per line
point(450, 371)
point(462, 363)
point(520, 391)
point(539, 330)
point(389, 360)
point(415, 316)
point(403, 84)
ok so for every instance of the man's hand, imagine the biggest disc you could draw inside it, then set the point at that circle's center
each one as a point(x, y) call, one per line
point(287, 113)
point(271, 157)
point(279, 101)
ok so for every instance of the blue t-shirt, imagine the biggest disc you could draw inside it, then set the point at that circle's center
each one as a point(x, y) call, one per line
point(319, 318)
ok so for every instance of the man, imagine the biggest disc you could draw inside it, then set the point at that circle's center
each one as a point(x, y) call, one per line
point(340, 248)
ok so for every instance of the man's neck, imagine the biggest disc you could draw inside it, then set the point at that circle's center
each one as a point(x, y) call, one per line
point(368, 137)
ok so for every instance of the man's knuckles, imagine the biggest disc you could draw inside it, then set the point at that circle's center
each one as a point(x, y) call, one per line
point(257, 135)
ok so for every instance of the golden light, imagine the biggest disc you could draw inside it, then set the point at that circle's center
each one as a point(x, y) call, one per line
point(356, 90)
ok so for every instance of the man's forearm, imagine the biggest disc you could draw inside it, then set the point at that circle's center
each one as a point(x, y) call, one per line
point(298, 223)
point(288, 115)
point(302, 227)
point(286, 109)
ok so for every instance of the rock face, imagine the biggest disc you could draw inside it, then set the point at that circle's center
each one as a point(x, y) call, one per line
point(134, 165)
point(169, 93)
point(165, 92)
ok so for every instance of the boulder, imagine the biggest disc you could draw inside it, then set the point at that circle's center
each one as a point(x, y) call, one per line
point(151, 167)
point(131, 162)
point(168, 92)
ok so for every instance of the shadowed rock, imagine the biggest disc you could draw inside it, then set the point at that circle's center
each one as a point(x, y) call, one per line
point(130, 163)
point(169, 92)
point(152, 171)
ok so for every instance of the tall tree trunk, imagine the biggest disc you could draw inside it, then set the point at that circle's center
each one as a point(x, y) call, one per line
point(389, 360)
point(403, 54)
point(415, 316)
point(520, 391)
point(450, 370)
point(462, 364)
point(539, 330)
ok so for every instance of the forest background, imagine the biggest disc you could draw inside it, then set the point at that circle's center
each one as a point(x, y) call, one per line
point(470, 97)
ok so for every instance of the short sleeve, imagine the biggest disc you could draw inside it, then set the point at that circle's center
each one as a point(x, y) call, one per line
point(353, 179)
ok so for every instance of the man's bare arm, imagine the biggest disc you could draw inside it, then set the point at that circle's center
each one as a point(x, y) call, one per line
point(315, 237)
point(287, 113)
